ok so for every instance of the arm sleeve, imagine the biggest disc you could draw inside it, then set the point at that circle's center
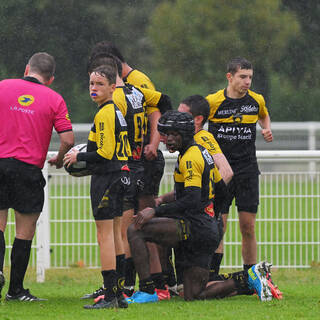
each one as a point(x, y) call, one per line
point(189, 201)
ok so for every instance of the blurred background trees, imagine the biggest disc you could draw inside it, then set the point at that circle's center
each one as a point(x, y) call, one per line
point(183, 45)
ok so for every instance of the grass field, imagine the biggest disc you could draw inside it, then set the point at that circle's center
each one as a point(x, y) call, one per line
point(63, 287)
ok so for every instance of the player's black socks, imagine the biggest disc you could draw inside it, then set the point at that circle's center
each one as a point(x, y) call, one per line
point(158, 280)
point(147, 285)
point(215, 266)
point(110, 278)
point(2, 250)
point(20, 255)
point(130, 273)
point(120, 268)
point(241, 280)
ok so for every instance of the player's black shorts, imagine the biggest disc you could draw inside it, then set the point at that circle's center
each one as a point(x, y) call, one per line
point(203, 238)
point(21, 186)
point(107, 192)
point(153, 172)
point(245, 189)
point(136, 187)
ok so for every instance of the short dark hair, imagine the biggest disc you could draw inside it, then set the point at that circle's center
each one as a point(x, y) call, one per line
point(198, 105)
point(43, 64)
point(108, 71)
point(108, 48)
point(238, 63)
point(104, 59)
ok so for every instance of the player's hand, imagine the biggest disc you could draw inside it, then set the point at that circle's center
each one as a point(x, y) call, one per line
point(70, 157)
point(158, 201)
point(54, 161)
point(267, 135)
point(143, 217)
point(150, 152)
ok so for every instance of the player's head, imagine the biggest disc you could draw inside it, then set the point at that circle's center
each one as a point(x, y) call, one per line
point(239, 76)
point(198, 107)
point(238, 63)
point(107, 47)
point(43, 64)
point(178, 127)
point(103, 59)
point(103, 83)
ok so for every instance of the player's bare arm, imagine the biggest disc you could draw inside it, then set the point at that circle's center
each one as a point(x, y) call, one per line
point(265, 124)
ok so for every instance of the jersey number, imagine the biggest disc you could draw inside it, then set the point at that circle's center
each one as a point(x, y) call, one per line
point(138, 126)
point(123, 147)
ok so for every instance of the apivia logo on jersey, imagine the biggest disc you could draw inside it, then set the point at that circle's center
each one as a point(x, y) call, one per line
point(229, 132)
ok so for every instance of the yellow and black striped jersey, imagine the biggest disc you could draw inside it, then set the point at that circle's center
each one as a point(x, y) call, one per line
point(195, 168)
point(139, 79)
point(133, 103)
point(207, 140)
point(233, 124)
point(109, 138)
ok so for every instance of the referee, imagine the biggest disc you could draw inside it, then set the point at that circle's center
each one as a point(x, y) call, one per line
point(29, 111)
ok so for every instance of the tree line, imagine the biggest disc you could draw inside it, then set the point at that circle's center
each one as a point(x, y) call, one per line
point(183, 46)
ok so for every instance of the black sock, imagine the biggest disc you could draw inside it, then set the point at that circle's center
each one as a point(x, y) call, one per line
point(110, 278)
point(20, 255)
point(169, 274)
point(158, 280)
point(2, 250)
point(215, 265)
point(241, 281)
point(130, 273)
point(120, 268)
point(147, 285)
point(247, 266)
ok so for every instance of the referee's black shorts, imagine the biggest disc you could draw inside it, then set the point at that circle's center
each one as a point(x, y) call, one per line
point(21, 186)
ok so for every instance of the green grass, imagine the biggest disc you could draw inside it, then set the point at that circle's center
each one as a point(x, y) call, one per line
point(63, 287)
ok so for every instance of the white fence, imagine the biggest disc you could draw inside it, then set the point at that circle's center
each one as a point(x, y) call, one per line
point(288, 221)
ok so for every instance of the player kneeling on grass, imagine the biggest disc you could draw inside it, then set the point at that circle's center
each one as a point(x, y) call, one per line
point(186, 222)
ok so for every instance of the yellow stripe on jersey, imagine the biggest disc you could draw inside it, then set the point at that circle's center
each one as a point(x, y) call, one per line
point(216, 99)
point(191, 167)
point(105, 128)
point(139, 79)
point(119, 99)
point(207, 140)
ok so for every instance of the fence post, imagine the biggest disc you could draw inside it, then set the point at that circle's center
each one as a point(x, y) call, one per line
point(43, 232)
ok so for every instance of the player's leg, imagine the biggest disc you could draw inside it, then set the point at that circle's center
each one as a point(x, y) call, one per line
point(247, 222)
point(247, 201)
point(224, 210)
point(163, 231)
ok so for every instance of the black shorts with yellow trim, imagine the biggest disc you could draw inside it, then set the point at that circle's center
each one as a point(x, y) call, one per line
point(21, 186)
point(107, 192)
point(199, 240)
